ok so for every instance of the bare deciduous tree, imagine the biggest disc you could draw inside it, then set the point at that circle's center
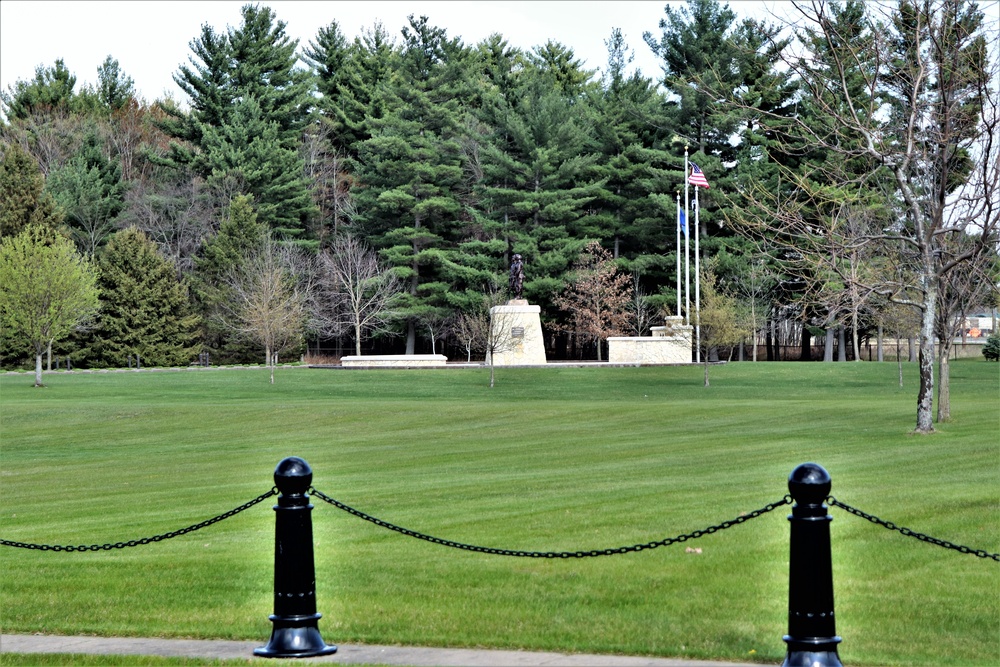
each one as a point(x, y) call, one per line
point(330, 182)
point(960, 293)
point(359, 293)
point(178, 215)
point(914, 98)
point(470, 329)
point(640, 311)
point(499, 336)
point(269, 299)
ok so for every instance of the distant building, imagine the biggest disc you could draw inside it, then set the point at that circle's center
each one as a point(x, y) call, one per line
point(980, 325)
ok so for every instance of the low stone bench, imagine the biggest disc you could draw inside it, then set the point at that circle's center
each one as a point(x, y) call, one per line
point(393, 360)
point(668, 345)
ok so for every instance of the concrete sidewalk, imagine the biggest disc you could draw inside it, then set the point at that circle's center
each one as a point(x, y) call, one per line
point(347, 654)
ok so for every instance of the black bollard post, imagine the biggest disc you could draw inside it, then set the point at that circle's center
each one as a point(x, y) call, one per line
point(295, 633)
point(811, 638)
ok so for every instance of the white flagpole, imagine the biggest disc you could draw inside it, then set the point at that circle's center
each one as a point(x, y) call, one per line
point(697, 280)
point(687, 246)
point(678, 246)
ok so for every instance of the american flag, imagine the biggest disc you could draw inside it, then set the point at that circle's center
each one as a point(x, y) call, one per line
point(697, 177)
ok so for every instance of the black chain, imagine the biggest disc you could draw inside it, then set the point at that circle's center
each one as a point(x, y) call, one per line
point(982, 553)
point(145, 540)
point(552, 554)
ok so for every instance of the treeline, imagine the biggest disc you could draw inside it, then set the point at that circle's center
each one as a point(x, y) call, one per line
point(445, 159)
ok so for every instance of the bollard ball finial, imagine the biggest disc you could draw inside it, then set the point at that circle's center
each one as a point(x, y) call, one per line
point(809, 483)
point(293, 476)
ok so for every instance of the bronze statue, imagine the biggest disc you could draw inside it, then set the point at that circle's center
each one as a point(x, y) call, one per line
point(516, 283)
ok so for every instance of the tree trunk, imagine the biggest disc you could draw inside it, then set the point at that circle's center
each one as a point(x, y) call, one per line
point(38, 368)
point(49, 358)
point(411, 337)
point(805, 353)
point(925, 395)
point(881, 352)
point(769, 341)
point(912, 349)
point(357, 338)
point(841, 344)
point(828, 346)
point(706, 370)
point(944, 385)
point(854, 335)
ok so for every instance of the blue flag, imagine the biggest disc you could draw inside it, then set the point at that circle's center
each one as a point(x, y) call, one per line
point(683, 222)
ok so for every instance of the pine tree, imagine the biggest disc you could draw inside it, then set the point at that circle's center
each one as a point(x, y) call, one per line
point(698, 57)
point(335, 63)
point(249, 152)
point(51, 89)
point(90, 190)
point(240, 235)
point(249, 107)
point(538, 177)
point(768, 98)
point(410, 206)
point(115, 89)
point(634, 211)
point(145, 311)
point(23, 199)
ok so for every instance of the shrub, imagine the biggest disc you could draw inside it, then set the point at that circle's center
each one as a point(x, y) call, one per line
point(992, 348)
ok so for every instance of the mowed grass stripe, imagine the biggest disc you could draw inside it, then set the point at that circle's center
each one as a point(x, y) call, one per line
point(550, 459)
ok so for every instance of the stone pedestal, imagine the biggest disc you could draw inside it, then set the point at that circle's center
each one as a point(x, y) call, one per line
point(516, 329)
point(670, 344)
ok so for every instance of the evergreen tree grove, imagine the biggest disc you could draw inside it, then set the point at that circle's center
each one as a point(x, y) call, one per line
point(145, 310)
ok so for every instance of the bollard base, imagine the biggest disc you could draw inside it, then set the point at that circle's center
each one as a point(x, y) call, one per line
point(821, 653)
point(295, 637)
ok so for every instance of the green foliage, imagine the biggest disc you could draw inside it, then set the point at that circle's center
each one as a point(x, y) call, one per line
point(249, 105)
point(23, 199)
point(50, 90)
point(249, 151)
point(697, 55)
point(115, 89)
point(240, 235)
point(90, 190)
point(411, 170)
point(145, 309)
point(448, 158)
point(46, 290)
point(991, 350)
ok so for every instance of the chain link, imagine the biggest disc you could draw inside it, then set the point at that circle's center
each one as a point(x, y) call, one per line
point(787, 500)
point(982, 553)
point(145, 540)
point(551, 554)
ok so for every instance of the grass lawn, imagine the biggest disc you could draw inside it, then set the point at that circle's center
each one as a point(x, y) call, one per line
point(549, 460)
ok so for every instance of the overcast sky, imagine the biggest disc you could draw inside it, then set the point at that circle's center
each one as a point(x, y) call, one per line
point(150, 39)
